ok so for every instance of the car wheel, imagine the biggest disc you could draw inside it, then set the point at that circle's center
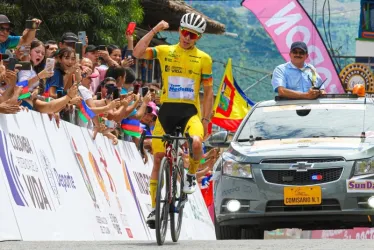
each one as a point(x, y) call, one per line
point(253, 233)
point(227, 232)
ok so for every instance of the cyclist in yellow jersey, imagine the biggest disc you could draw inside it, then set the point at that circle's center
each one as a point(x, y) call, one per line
point(185, 69)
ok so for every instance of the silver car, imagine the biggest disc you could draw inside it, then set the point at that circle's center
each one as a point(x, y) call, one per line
point(305, 164)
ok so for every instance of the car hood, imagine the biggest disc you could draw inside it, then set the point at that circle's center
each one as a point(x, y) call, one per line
point(348, 148)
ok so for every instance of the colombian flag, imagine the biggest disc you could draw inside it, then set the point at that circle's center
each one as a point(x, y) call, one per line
point(231, 104)
point(85, 113)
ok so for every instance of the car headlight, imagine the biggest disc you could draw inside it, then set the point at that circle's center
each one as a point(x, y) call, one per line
point(365, 166)
point(234, 168)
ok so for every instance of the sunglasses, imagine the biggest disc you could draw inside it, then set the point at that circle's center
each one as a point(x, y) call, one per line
point(298, 52)
point(2, 28)
point(109, 86)
point(192, 35)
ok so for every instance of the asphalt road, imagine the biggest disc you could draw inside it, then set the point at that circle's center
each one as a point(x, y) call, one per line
point(238, 244)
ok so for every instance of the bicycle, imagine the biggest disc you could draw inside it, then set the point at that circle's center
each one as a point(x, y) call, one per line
point(173, 200)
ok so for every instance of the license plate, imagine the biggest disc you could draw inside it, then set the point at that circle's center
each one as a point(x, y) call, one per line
point(302, 195)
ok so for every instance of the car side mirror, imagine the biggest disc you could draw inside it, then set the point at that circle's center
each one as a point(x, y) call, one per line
point(218, 139)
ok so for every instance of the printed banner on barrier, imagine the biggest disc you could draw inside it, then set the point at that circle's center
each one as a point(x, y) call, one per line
point(8, 226)
point(356, 233)
point(115, 185)
point(34, 178)
point(196, 219)
point(62, 185)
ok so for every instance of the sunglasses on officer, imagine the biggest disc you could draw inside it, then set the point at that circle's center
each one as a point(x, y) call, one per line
point(298, 52)
point(192, 35)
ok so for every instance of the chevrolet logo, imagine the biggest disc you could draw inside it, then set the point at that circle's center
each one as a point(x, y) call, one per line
point(301, 166)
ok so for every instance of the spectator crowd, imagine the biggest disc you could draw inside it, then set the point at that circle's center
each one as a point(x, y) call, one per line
point(93, 86)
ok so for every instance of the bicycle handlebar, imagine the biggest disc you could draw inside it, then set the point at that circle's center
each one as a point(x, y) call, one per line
point(166, 137)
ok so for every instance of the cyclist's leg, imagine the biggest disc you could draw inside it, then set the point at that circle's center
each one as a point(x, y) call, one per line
point(158, 152)
point(195, 128)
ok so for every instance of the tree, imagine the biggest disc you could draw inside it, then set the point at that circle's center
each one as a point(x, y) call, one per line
point(104, 21)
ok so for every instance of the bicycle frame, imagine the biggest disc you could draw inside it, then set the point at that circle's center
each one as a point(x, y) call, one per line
point(171, 151)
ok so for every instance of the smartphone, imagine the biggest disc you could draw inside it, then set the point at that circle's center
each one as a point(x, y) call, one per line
point(12, 63)
point(131, 28)
point(115, 93)
point(3, 56)
point(110, 124)
point(50, 64)
point(78, 49)
point(98, 95)
point(25, 65)
point(102, 47)
point(30, 24)
point(144, 91)
point(82, 37)
point(136, 88)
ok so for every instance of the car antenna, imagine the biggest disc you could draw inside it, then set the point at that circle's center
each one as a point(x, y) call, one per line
point(363, 134)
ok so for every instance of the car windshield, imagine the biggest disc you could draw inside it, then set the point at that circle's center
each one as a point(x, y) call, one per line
point(306, 121)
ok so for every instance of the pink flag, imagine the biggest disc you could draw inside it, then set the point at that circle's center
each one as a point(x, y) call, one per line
point(286, 22)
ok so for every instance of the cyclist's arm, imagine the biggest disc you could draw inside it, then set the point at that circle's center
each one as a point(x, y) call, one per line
point(142, 49)
point(207, 80)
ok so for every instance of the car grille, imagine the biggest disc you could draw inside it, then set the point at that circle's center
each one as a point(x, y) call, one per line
point(292, 177)
point(308, 160)
point(326, 205)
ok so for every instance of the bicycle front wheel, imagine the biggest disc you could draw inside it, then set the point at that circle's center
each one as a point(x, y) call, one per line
point(162, 201)
point(176, 214)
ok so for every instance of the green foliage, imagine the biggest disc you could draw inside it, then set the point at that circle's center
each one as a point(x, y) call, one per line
point(104, 21)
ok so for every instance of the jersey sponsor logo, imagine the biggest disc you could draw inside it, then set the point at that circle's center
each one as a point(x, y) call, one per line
point(167, 59)
point(199, 57)
point(173, 55)
point(194, 61)
point(174, 69)
point(181, 88)
point(190, 71)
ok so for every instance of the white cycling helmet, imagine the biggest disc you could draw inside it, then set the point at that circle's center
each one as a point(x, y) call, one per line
point(193, 22)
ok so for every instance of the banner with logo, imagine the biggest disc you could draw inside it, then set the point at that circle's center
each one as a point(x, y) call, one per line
point(56, 183)
point(37, 182)
point(358, 73)
point(286, 22)
point(356, 233)
point(196, 219)
point(8, 226)
point(139, 175)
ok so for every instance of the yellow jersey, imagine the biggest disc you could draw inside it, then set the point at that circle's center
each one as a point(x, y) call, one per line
point(183, 72)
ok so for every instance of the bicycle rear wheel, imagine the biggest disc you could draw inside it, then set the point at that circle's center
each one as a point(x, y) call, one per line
point(162, 201)
point(176, 214)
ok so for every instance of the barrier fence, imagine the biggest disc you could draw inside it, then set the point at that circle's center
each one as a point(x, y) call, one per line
point(59, 184)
